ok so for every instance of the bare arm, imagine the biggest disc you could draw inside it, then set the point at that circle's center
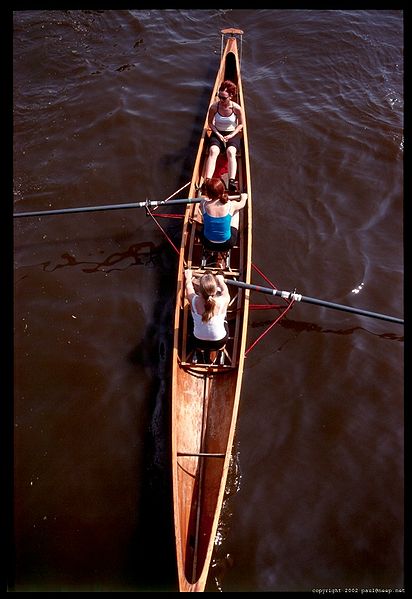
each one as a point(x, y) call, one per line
point(190, 290)
point(223, 287)
point(210, 117)
point(240, 203)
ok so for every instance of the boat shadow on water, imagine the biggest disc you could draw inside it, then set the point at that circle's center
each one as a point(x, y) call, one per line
point(153, 540)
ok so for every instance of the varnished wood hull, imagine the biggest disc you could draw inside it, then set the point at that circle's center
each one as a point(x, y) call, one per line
point(205, 398)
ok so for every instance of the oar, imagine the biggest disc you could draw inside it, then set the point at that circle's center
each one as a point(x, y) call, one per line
point(147, 204)
point(297, 297)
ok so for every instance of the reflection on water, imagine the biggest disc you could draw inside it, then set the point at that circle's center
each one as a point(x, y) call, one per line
point(141, 254)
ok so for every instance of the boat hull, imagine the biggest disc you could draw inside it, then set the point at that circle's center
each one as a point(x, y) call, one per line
point(205, 396)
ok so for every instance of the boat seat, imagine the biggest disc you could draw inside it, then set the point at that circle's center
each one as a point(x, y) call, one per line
point(215, 258)
point(214, 357)
point(201, 354)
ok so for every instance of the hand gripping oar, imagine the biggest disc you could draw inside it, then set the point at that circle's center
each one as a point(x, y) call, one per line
point(297, 297)
point(146, 204)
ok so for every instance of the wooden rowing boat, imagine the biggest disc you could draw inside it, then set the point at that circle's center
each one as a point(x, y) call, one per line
point(205, 395)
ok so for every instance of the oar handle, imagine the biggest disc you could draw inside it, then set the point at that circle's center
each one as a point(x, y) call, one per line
point(297, 297)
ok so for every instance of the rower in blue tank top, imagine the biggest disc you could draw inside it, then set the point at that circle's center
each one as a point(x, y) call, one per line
point(220, 216)
point(217, 229)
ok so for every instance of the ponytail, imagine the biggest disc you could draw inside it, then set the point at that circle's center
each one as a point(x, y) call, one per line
point(208, 288)
point(224, 197)
point(209, 307)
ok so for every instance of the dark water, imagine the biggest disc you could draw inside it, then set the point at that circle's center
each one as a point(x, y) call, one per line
point(108, 107)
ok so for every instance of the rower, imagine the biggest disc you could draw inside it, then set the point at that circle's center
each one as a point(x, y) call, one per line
point(209, 309)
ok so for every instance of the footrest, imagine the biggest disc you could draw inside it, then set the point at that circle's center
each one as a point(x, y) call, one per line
point(215, 258)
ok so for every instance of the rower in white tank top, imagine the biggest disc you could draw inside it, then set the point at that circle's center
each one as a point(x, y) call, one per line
point(213, 329)
point(225, 119)
point(210, 328)
point(224, 124)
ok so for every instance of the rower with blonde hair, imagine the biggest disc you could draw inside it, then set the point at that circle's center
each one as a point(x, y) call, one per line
point(209, 308)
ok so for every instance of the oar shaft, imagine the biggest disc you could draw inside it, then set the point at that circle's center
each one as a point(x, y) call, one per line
point(267, 290)
point(319, 302)
point(147, 204)
point(311, 300)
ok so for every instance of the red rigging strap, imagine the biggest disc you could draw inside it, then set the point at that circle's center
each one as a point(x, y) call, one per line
point(269, 328)
point(268, 307)
point(179, 216)
point(164, 232)
point(263, 276)
point(265, 307)
point(168, 216)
